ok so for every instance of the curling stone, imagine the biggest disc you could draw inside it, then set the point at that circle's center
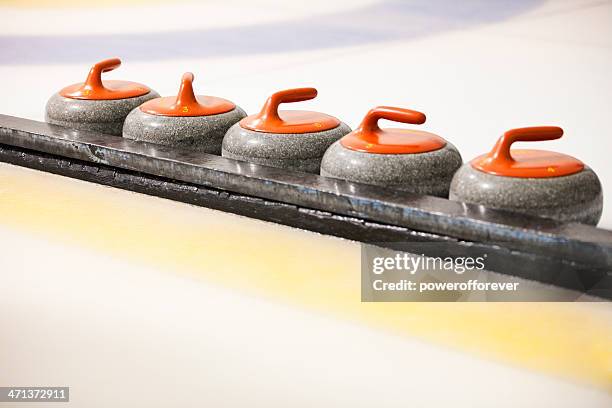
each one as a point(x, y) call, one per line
point(536, 182)
point(293, 140)
point(197, 123)
point(404, 159)
point(95, 104)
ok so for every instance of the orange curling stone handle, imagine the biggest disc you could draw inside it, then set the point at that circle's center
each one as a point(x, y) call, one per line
point(370, 138)
point(186, 103)
point(94, 89)
point(271, 120)
point(502, 161)
point(370, 122)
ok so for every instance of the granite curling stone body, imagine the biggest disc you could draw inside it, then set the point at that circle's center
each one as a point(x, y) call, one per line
point(97, 105)
point(197, 123)
point(535, 182)
point(294, 140)
point(404, 159)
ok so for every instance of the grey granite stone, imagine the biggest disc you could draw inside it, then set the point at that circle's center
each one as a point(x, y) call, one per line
point(422, 173)
point(106, 116)
point(296, 151)
point(196, 133)
point(574, 198)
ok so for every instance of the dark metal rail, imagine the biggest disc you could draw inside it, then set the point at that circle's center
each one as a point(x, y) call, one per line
point(531, 247)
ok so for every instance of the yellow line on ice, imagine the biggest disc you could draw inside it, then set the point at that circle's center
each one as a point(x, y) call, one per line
point(72, 3)
point(571, 340)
